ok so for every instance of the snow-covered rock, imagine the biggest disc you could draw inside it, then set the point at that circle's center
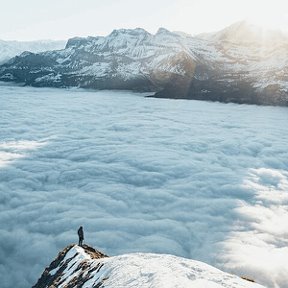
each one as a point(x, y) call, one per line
point(241, 64)
point(85, 267)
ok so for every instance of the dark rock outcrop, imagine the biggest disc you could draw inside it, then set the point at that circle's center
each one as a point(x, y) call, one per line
point(52, 275)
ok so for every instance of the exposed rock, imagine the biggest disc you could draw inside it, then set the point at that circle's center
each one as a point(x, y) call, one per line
point(52, 275)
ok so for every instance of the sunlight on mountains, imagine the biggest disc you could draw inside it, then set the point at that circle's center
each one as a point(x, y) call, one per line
point(270, 21)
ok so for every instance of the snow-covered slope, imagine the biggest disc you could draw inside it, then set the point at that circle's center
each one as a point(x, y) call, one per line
point(239, 64)
point(9, 49)
point(127, 59)
point(85, 267)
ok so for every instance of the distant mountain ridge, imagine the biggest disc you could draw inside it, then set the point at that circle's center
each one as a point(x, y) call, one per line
point(9, 49)
point(238, 64)
point(86, 267)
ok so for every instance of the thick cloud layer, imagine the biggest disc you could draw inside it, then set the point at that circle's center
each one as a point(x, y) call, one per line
point(203, 180)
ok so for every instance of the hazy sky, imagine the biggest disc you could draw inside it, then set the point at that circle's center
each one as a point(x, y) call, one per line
point(61, 19)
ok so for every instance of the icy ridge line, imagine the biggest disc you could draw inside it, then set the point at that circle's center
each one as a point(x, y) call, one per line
point(86, 267)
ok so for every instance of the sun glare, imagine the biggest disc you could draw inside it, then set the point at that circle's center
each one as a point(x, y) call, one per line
point(270, 21)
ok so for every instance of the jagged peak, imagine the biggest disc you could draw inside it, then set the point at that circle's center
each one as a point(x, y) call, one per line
point(162, 30)
point(122, 31)
point(166, 33)
point(25, 54)
point(77, 41)
point(57, 269)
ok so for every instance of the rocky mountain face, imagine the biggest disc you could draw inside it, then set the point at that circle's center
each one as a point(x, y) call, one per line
point(9, 49)
point(79, 258)
point(241, 64)
point(86, 267)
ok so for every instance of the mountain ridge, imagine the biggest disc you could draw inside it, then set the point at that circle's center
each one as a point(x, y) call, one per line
point(84, 266)
point(218, 67)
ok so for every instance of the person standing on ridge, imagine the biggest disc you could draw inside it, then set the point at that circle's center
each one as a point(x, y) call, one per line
point(81, 236)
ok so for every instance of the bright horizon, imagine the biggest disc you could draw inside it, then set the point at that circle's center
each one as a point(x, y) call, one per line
point(35, 20)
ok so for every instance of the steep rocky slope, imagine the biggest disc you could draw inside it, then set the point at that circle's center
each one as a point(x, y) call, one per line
point(238, 64)
point(85, 267)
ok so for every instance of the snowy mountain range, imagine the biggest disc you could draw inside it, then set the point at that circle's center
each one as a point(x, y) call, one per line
point(78, 266)
point(241, 63)
point(9, 49)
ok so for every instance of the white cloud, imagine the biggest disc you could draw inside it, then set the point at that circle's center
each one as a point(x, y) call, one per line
point(203, 180)
point(264, 236)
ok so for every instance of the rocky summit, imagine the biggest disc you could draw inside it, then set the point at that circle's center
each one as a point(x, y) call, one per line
point(241, 64)
point(77, 266)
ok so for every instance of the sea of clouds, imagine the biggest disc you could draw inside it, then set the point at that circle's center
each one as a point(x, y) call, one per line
point(202, 180)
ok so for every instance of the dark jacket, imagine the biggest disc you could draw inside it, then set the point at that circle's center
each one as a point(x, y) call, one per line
point(81, 233)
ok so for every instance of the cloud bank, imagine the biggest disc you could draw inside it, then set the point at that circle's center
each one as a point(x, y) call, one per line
point(202, 180)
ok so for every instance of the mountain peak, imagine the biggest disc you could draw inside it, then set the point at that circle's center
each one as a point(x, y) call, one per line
point(84, 266)
point(77, 41)
point(56, 272)
point(121, 31)
point(162, 30)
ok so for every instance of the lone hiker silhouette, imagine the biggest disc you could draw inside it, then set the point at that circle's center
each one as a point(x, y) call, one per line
point(81, 236)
